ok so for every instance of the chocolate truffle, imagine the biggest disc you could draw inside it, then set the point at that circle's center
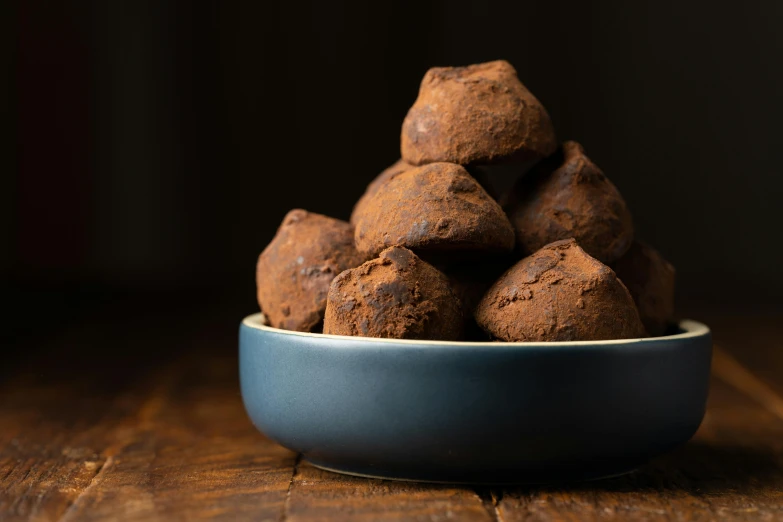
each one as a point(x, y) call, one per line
point(476, 114)
point(559, 294)
point(650, 279)
point(567, 196)
point(397, 296)
point(398, 167)
point(433, 209)
point(294, 271)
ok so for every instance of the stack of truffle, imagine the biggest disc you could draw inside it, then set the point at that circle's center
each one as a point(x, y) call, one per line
point(429, 254)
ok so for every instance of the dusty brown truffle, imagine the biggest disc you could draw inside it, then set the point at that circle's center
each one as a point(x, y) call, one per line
point(650, 279)
point(476, 114)
point(559, 294)
point(398, 167)
point(567, 196)
point(436, 208)
point(294, 271)
point(397, 296)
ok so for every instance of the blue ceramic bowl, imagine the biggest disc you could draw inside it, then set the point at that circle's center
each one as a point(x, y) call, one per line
point(474, 412)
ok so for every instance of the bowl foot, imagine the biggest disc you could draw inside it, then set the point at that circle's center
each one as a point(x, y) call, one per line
point(520, 477)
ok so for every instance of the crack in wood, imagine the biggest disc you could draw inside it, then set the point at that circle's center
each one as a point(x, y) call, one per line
point(490, 499)
point(99, 472)
point(497, 496)
point(286, 504)
point(486, 500)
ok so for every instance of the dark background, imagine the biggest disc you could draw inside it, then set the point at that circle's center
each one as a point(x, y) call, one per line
point(153, 147)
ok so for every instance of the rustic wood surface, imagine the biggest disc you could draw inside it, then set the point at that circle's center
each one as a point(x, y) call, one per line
point(112, 419)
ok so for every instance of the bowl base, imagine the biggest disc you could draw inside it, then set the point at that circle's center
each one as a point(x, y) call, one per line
point(517, 479)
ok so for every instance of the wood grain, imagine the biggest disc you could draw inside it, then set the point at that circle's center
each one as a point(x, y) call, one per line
point(155, 430)
point(189, 452)
point(56, 423)
point(159, 436)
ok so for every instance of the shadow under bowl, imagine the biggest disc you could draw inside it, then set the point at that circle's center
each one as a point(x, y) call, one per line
point(481, 413)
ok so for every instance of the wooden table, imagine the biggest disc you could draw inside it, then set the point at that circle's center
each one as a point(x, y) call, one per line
point(128, 416)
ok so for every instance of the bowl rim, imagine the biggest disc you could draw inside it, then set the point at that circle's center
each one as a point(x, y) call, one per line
point(690, 329)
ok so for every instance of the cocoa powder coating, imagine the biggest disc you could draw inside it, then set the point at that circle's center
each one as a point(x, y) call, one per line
point(559, 294)
point(650, 279)
point(476, 114)
point(294, 271)
point(568, 196)
point(398, 167)
point(397, 296)
point(436, 208)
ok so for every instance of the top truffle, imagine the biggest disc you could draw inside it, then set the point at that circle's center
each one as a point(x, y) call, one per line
point(294, 271)
point(432, 209)
point(568, 196)
point(476, 114)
